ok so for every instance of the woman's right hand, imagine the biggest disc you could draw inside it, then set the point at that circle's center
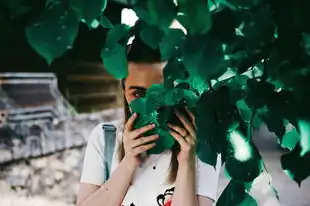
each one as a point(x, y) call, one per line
point(133, 141)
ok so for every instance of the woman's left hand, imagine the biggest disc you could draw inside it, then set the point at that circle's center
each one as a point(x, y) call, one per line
point(186, 137)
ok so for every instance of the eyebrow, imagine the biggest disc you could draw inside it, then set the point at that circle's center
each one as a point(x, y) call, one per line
point(136, 87)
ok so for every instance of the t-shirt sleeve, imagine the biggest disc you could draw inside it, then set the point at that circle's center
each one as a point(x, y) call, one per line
point(93, 166)
point(207, 178)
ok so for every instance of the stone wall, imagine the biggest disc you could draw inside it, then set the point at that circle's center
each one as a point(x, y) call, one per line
point(54, 177)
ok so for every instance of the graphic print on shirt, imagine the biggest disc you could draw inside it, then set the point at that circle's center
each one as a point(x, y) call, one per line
point(166, 198)
point(130, 205)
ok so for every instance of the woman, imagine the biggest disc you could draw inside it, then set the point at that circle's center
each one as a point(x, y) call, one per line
point(174, 178)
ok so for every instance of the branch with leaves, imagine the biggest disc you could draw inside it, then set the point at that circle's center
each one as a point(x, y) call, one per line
point(241, 64)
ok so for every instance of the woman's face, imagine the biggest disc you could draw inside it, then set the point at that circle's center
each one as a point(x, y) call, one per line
point(140, 77)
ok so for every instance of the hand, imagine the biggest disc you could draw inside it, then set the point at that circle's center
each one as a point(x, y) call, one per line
point(134, 143)
point(186, 137)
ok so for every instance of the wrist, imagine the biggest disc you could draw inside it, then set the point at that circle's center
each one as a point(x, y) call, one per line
point(130, 163)
point(188, 161)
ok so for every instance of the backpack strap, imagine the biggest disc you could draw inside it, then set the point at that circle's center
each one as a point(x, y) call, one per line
point(109, 132)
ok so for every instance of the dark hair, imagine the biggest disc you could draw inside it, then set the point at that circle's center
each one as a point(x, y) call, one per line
point(139, 52)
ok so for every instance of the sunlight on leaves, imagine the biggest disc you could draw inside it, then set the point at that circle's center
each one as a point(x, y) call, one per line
point(304, 128)
point(242, 149)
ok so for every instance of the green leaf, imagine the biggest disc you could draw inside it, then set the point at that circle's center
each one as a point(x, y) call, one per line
point(275, 124)
point(160, 118)
point(17, 8)
point(89, 10)
point(157, 96)
point(105, 22)
point(258, 93)
point(243, 3)
point(159, 13)
point(297, 167)
point(195, 16)
point(151, 36)
point(245, 171)
point(204, 58)
point(113, 53)
point(291, 137)
point(54, 32)
point(170, 42)
point(117, 34)
point(205, 153)
point(173, 71)
point(245, 111)
point(235, 195)
point(115, 60)
point(243, 162)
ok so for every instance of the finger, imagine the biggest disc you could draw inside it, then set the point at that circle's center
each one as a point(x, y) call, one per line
point(129, 124)
point(138, 132)
point(188, 126)
point(191, 115)
point(144, 140)
point(178, 138)
point(183, 132)
point(143, 148)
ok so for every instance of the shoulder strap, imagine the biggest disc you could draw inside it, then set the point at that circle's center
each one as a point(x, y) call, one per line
point(109, 132)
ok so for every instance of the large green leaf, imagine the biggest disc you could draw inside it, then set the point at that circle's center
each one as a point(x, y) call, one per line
point(204, 58)
point(174, 71)
point(275, 124)
point(156, 12)
point(113, 53)
point(116, 35)
point(88, 10)
point(160, 118)
point(195, 16)
point(235, 194)
point(297, 167)
point(171, 41)
point(151, 35)
point(105, 22)
point(54, 32)
point(243, 162)
point(291, 137)
point(115, 60)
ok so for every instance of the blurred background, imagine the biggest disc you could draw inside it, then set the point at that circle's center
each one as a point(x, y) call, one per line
point(47, 113)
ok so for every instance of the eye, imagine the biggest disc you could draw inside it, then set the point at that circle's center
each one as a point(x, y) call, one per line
point(139, 93)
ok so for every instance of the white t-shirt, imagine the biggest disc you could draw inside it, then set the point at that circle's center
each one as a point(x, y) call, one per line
point(148, 186)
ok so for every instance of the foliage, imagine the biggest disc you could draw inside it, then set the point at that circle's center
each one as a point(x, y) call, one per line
point(241, 63)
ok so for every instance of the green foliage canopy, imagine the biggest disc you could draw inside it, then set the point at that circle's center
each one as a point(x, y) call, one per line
point(242, 63)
